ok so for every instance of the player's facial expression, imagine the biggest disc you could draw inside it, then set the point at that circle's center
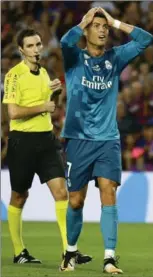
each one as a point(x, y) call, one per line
point(97, 32)
point(32, 47)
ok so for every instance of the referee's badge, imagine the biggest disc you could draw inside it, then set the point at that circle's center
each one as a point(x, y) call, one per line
point(108, 65)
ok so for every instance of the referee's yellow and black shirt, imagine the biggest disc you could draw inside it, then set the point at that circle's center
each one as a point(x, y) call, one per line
point(25, 89)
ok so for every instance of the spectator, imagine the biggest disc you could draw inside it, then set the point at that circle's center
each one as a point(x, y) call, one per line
point(132, 156)
point(127, 124)
point(146, 143)
point(136, 107)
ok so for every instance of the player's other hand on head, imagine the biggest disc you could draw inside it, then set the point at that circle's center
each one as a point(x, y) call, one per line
point(109, 18)
point(55, 85)
point(49, 106)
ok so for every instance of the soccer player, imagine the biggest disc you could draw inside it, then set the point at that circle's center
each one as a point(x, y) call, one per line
point(93, 144)
point(32, 147)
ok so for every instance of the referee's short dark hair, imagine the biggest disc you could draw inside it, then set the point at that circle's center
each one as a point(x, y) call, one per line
point(26, 33)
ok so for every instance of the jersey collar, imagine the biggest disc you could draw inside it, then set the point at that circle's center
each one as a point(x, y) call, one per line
point(26, 68)
point(85, 51)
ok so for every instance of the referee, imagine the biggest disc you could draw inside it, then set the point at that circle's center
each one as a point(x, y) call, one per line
point(32, 144)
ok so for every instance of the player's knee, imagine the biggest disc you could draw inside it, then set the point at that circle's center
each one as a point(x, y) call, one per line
point(108, 196)
point(58, 189)
point(18, 199)
point(76, 202)
point(60, 194)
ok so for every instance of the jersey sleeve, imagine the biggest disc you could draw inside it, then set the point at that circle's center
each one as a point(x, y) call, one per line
point(11, 88)
point(127, 52)
point(69, 46)
point(50, 91)
point(47, 82)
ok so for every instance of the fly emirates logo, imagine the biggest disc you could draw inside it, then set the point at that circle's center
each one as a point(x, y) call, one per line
point(96, 83)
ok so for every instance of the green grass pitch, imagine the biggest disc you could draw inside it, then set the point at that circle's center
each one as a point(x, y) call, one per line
point(135, 247)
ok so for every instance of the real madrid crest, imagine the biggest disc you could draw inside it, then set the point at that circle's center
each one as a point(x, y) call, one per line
point(108, 65)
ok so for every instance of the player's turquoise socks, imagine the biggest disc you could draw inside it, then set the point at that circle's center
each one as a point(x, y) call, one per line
point(108, 223)
point(74, 224)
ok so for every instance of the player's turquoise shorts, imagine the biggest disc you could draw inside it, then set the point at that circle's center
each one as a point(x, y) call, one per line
point(87, 160)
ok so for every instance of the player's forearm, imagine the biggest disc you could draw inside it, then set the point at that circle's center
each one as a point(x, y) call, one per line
point(19, 112)
point(137, 34)
point(126, 28)
point(142, 37)
point(72, 37)
point(82, 25)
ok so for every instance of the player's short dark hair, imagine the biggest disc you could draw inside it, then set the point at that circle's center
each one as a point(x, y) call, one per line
point(26, 33)
point(99, 14)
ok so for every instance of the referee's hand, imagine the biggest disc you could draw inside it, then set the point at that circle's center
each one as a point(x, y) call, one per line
point(49, 106)
point(55, 85)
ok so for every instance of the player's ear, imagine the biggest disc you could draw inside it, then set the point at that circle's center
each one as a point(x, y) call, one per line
point(21, 50)
point(42, 46)
point(108, 28)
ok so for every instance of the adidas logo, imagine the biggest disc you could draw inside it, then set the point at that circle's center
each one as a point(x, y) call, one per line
point(96, 67)
point(22, 260)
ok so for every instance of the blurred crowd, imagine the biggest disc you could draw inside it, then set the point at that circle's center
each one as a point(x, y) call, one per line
point(135, 100)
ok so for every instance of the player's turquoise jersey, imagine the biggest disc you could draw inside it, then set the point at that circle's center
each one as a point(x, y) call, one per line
point(92, 85)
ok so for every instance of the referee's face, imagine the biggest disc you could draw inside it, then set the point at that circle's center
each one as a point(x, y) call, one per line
point(97, 32)
point(32, 47)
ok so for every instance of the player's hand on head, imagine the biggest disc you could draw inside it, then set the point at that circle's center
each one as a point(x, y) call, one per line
point(50, 106)
point(88, 17)
point(110, 19)
point(55, 85)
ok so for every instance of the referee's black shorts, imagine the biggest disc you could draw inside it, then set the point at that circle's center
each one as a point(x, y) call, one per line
point(30, 153)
